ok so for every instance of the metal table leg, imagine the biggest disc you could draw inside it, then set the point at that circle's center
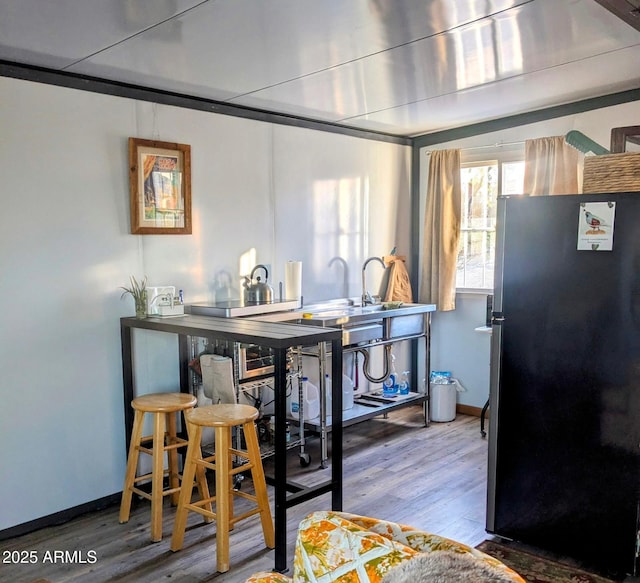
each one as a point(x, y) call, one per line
point(280, 460)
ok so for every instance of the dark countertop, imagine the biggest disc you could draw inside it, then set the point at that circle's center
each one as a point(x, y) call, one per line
point(271, 334)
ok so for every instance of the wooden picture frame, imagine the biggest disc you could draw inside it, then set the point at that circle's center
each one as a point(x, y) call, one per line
point(623, 136)
point(160, 187)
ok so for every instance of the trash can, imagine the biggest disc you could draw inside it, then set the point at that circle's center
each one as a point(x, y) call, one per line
point(442, 403)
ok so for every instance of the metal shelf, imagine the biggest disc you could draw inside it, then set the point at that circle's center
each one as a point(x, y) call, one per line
point(360, 412)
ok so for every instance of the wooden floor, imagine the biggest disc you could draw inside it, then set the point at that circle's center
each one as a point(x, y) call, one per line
point(432, 478)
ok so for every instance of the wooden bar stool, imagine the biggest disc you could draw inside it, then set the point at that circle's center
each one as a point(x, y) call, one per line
point(163, 407)
point(222, 418)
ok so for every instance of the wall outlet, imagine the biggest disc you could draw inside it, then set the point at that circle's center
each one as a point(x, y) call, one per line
point(159, 296)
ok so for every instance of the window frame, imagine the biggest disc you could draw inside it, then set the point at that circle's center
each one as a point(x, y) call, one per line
point(481, 156)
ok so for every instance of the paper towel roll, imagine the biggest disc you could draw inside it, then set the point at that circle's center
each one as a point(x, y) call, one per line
point(217, 378)
point(293, 280)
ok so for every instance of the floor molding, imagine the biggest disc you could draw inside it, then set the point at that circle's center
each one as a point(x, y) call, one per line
point(469, 410)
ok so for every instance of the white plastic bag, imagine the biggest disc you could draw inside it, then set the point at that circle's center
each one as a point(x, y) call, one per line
point(458, 385)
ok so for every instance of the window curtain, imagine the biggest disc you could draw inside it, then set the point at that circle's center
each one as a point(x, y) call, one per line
point(441, 230)
point(551, 167)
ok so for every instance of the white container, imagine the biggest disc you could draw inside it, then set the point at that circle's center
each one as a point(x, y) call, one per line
point(347, 393)
point(442, 402)
point(311, 403)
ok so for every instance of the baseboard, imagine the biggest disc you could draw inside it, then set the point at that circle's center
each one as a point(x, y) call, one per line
point(60, 517)
point(470, 410)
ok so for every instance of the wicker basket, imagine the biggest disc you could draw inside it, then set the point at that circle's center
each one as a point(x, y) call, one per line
point(612, 173)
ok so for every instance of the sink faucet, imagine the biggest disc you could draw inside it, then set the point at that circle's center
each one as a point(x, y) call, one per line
point(366, 296)
point(345, 274)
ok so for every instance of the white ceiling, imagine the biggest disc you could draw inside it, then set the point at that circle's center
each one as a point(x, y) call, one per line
point(402, 67)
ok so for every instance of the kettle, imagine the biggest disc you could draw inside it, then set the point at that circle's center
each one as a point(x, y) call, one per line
point(259, 292)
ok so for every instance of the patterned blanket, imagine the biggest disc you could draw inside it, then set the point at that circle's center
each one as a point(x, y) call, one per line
point(339, 547)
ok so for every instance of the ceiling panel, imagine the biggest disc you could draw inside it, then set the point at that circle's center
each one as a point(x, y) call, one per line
point(404, 67)
point(229, 48)
point(516, 95)
point(57, 33)
point(481, 53)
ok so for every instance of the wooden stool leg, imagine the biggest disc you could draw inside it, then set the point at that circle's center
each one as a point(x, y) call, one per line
point(200, 477)
point(188, 473)
point(132, 466)
point(157, 477)
point(174, 480)
point(231, 477)
point(223, 495)
point(259, 483)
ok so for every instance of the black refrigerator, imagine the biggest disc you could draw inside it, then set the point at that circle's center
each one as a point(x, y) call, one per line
point(564, 430)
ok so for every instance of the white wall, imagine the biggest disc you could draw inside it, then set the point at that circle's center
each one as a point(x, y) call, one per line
point(455, 345)
point(290, 193)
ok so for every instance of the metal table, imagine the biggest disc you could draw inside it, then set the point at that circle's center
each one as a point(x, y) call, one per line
point(279, 338)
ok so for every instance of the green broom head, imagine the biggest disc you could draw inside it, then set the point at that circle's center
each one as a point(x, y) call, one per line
point(584, 144)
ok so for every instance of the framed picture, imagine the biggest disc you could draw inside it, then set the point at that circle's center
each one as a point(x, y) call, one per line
point(160, 187)
point(625, 139)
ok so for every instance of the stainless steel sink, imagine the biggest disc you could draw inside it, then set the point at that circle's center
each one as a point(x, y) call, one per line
point(367, 323)
point(341, 314)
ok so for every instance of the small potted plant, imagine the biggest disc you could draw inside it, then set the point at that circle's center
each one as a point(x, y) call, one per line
point(138, 290)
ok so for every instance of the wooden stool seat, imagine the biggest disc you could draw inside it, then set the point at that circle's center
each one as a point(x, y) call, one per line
point(223, 418)
point(163, 407)
point(223, 415)
point(164, 402)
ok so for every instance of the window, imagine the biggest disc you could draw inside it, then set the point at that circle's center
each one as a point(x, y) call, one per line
point(482, 181)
